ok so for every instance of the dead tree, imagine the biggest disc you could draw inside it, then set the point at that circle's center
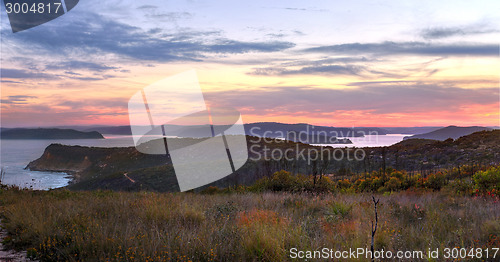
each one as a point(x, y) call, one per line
point(374, 229)
point(2, 175)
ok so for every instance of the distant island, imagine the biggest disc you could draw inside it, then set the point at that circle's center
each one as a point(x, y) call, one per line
point(453, 132)
point(295, 136)
point(48, 133)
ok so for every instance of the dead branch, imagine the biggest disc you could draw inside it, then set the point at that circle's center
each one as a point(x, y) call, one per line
point(374, 229)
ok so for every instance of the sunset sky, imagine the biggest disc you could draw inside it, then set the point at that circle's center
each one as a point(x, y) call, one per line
point(333, 63)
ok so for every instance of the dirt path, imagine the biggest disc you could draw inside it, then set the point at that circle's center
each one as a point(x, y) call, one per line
point(131, 180)
point(9, 255)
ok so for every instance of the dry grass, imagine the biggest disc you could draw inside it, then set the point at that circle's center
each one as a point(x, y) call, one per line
point(113, 226)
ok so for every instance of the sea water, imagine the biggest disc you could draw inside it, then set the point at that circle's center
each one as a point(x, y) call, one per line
point(15, 155)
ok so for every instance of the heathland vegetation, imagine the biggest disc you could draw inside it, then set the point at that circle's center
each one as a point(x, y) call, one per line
point(259, 223)
point(433, 195)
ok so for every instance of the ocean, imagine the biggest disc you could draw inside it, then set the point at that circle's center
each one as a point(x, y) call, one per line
point(16, 154)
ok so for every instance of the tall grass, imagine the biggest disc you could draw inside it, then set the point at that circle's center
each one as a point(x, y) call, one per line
point(116, 226)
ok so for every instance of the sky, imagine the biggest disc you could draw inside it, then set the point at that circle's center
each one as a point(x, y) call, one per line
point(332, 63)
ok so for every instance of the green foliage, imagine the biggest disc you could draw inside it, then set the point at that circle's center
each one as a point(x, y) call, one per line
point(285, 181)
point(343, 184)
point(463, 186)
point(393, 181)
point(394, 184)
point(435, 181)
point(337, 210)
point(485, 181)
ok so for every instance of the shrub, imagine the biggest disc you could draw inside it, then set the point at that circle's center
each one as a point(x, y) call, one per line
point(410, 181)
point(398, 174)
point(435, 181)
point(210, 190)
point(461, 186)
point(337, 210)
point(488, 180)
point(363, 185)
point(394, 184)
point(344, 184)
point(377, 183)
point(325, 184)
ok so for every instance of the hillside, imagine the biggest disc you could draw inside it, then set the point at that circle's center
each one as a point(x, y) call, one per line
point(411, 130)
point(48, 133)
point(128, 169)
point(267, 129)
point(453, 132)
point(273, 128)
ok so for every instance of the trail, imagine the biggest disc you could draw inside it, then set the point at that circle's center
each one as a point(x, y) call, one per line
point(131, 180)
point(9, 255)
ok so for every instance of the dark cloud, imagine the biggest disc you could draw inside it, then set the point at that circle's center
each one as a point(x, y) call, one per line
point(109, 103)
point(24, 74)
point(79, 65)
point(276, 35)
point(352, 66)
point(237, 47)
point(72, 73)
point(95, 35)
point(315, 70)
point(147, 7)
point(376, 97)
point(415, 48)
point(327, 66)
point(10, 81)
point(87, 78)
point(169, 16)
point(34, 74)
point(444, 32)
point(17, 100)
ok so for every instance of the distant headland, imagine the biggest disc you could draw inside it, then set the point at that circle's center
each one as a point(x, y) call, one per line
point(48, 133)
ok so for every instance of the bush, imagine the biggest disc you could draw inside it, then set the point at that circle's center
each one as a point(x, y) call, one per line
point(394, 184)
point(488, 180)
point(461, 186)
point(325, 184)
point(285, 181)
point(344, 184)
point(377, 183)
point(210, 190)
point(435, 181)
point(410, 181)
point(363, 185)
